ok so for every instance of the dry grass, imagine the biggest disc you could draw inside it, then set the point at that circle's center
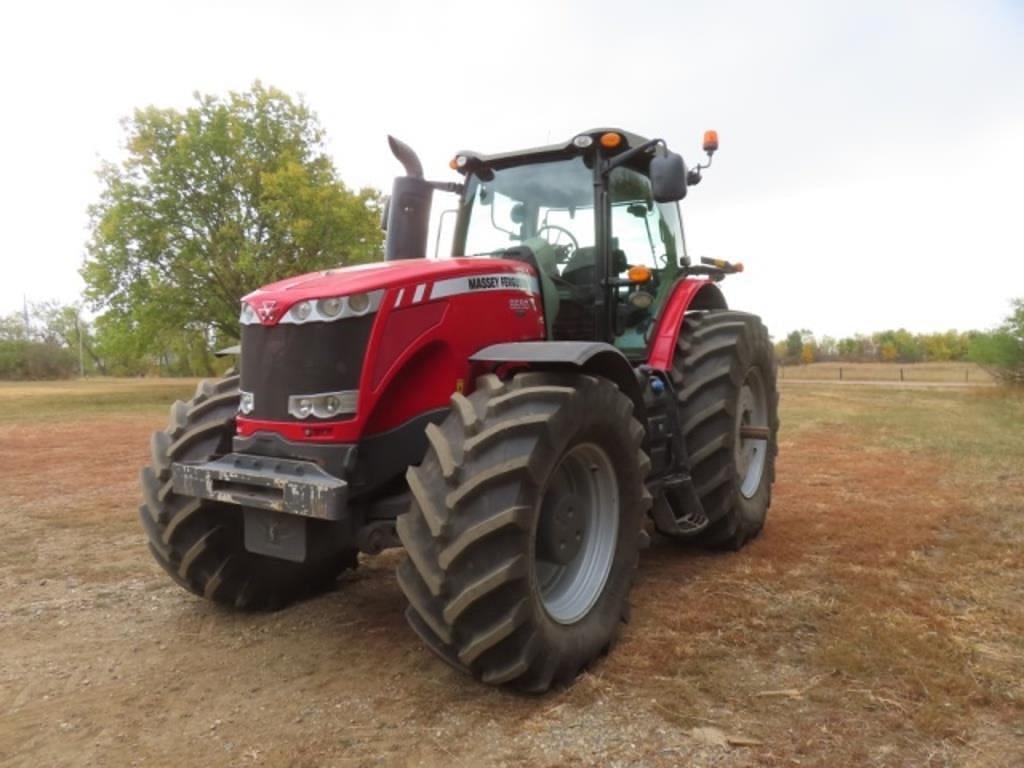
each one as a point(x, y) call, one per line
point(48, 400)
point(876, 622)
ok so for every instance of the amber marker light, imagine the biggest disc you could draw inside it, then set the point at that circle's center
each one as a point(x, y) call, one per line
point(610, 140)
point(710, 141)
point(453, 164)
point(639, 274)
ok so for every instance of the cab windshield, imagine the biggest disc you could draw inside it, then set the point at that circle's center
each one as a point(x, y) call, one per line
point(548, 207)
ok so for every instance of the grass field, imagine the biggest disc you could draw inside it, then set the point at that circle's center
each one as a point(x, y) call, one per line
point(930, 373)
point(80, 398)
point(876, 622)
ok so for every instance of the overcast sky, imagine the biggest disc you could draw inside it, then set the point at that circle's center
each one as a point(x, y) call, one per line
point(871, 171)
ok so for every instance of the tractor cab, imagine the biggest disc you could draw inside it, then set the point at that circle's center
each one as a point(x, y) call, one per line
point(598, 220)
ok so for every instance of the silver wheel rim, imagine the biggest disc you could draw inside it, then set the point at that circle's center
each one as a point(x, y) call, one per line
point(751, 452)
point(577, 530)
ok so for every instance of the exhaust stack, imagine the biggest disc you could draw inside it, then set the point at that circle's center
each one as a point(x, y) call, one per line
point(407, 215)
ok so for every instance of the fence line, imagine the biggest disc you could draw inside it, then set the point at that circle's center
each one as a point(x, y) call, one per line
point(908, 373)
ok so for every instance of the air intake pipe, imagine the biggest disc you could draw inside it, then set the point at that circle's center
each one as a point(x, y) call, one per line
point(407, 215)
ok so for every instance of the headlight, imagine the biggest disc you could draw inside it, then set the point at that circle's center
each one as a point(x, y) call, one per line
point(331, 308)
point(246, 402)
point(641, 299)
point(248, 316)
point(323, 406)
point(359, 303)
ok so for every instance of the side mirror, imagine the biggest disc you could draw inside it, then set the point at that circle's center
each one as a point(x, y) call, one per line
point(668, 177)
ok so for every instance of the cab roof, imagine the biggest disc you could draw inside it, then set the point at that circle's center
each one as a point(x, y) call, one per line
point(551, 151)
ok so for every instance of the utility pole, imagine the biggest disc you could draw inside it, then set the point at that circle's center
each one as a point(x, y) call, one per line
point(81, 359)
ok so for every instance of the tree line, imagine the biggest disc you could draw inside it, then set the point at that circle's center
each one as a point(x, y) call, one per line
point(890, 346)
point(237, 191)
point(51, 340)
point(1000, 350)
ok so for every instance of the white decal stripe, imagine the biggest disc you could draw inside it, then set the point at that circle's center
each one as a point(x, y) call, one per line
point(502, 281)
point(419, 293)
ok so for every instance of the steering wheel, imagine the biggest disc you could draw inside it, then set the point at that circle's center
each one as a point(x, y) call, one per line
point(565, 251)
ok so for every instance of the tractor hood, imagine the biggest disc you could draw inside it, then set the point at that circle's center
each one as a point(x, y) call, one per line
point(423, 278)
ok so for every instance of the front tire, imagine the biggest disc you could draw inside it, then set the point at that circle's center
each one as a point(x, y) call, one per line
point(525, 526)
point(200, 543)
point(724, 373)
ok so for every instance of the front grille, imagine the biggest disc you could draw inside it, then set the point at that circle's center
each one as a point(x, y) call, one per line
point(307, 359)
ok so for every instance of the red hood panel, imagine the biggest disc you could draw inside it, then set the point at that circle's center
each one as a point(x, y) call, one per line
point(432, 317)
point(361, 278)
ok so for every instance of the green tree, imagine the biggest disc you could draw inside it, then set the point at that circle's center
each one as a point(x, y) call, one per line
point(28, 353)
point(899, 345)
point(13, 328)
point(207, 205)
point(795, 344)
point(1002, 350)
point(65, 326)
point(849, 348)
point(827, 348)
point(780, 350)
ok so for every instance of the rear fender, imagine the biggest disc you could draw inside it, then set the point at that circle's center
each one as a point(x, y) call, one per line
point(688, 294)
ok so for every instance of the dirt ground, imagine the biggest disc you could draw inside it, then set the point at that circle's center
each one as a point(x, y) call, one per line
point(877, 621)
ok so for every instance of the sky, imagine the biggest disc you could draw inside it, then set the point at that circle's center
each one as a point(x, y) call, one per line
point(872, 154)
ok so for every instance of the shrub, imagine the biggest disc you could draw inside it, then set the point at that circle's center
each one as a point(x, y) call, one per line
point(23, 359)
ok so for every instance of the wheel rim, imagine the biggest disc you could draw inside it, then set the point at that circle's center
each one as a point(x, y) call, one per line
point(577, 530)
point(751, 452)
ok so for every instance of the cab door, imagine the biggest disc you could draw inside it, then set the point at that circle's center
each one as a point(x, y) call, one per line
point(643, 234)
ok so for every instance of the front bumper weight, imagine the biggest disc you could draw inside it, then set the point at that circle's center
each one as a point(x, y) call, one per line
point(262, 482)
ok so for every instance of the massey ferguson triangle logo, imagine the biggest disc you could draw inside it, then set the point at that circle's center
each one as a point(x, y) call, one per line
point(266, 311)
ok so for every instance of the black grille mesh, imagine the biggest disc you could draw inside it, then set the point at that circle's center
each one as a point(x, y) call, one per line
point(290, 359)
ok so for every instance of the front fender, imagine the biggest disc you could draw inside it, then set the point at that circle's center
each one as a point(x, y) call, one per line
point(594, 357)
point(688, 294)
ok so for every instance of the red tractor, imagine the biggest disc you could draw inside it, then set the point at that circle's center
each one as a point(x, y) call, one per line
point(510, 416)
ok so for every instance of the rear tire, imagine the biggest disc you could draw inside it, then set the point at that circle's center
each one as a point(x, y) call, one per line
point(200, 543)
point(487, 590)
point(724, 373)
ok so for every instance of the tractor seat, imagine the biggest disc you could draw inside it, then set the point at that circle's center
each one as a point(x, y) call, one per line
point(580, 269)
